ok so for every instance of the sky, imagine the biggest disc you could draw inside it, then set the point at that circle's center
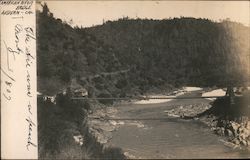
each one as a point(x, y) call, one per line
point(89, 13)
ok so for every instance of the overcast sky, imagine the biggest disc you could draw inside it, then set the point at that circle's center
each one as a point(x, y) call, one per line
point(88, 13)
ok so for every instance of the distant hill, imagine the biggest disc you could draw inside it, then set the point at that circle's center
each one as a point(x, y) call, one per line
point(157, 53)
point(180, 50)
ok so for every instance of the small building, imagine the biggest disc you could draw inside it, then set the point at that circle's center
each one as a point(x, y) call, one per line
point(81, 92)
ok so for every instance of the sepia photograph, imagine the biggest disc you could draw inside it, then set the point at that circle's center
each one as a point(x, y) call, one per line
point(143, 79)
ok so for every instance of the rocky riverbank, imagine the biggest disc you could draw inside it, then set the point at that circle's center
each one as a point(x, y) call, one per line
point(100, 126)
point(237, 133)
point(104, 120)
point(188, 111)
point(229, 123)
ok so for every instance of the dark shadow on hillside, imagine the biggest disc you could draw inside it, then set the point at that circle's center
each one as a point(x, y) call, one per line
point(224, 109)
point(59, 122)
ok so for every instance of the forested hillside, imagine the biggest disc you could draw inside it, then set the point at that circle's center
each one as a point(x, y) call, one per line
point(180, 50)
point(157, 53)
point(65, 53)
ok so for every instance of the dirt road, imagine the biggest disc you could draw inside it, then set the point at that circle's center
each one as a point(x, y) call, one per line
point(148, 132)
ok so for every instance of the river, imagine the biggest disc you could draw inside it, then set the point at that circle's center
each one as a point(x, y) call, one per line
point(161, 136)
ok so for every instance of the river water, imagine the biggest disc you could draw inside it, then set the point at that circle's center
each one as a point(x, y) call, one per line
point(165, 137)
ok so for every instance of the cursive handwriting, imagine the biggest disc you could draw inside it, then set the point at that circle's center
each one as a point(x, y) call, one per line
point(18, 72)
point(29, 57)
point(8, 85)
point(18, 30)
point(10, 58)
point(29, 34)
point(29, 94)
point(29, 108)
point(8, 51)
point(31, 124)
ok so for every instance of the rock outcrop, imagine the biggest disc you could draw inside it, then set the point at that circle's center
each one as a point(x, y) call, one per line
point(237, 132)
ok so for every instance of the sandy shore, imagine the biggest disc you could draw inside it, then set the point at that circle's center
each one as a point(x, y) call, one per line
point(216, 92)
point(174, 94)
